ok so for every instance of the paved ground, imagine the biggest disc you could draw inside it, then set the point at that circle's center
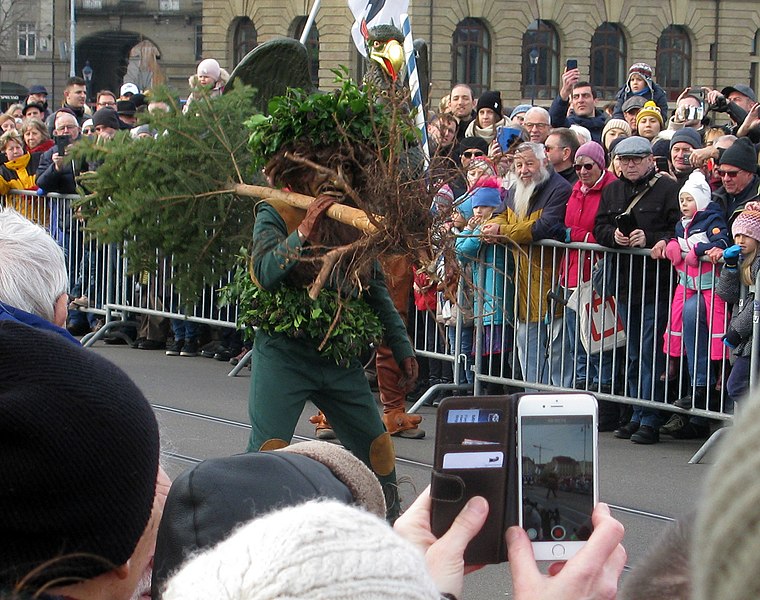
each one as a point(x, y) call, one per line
point(203, 413)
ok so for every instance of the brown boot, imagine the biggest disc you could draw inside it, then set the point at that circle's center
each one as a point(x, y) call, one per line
point(400, 424)
point(323, 429)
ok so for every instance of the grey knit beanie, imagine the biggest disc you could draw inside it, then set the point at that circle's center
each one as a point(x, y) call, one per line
point(320, 550)
point(724, 563)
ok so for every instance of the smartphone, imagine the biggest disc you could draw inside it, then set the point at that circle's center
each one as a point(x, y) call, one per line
point(506, 136)
point(474, 456)
point(626, 223)
point(558, 472)
point(572, 63)
point(661, 162)
point(61, 142)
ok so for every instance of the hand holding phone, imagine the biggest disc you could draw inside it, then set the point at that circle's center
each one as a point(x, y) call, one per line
point(571, 64)
point(506, 136)
point(626, 223)
point(557, 465)
point(61, 143)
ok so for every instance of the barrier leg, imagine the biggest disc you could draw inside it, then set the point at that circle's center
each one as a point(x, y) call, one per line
point(700, 454)
point(243, 362)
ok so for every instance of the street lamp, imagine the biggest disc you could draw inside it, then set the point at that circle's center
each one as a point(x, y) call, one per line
point(534, 55)
point(87, 75)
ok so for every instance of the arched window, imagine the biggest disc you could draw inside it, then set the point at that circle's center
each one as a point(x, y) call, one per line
point(471, 55)
point(312, 45)
point(540, 61)
point(608, 62)
point(673, 60)
point(244, 39)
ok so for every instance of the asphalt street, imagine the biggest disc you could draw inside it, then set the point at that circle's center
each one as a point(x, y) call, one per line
point(203, 413)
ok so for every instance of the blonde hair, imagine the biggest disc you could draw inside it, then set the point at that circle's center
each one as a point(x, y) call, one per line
point(12, 135)
point(745, 269)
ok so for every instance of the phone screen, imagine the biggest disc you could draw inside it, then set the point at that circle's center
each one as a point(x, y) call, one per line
point(572, 64)
point(557, 477)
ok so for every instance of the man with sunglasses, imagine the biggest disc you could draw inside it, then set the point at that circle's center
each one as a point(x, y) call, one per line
point(470, 148)
point(738, 174)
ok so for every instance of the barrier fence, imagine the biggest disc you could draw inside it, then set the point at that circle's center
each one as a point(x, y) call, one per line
point(526, 317)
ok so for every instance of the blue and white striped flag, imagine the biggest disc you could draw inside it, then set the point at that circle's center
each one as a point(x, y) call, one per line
point(374, 12)
point(414, 84)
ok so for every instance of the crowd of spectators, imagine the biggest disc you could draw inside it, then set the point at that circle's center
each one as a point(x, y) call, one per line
point(636, 178)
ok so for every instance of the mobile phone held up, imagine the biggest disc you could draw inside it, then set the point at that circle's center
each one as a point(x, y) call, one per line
point(558, 471)
point(61, 142)
point(571, 64)
point(506, 136)
point(626, 223)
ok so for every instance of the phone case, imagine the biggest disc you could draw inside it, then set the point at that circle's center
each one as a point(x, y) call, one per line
point(463, 468)
point(626, 223)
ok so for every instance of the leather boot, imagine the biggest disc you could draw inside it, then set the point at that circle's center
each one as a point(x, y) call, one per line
point(401, 424)
point(323, 429)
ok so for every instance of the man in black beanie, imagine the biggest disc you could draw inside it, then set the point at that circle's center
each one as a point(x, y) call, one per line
point(79, 448)
point(738, 174)
point(469, 149)
point(106, 123)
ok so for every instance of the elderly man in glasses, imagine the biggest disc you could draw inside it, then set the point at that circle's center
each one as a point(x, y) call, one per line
point(538, 124)
point(738, 174)
point(640, 210)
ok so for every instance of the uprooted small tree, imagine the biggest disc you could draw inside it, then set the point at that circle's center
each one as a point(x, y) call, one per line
point(191, 192)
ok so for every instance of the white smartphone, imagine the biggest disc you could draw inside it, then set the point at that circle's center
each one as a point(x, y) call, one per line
point(557, 470)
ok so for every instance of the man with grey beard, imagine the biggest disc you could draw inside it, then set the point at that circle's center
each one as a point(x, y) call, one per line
point(535, 210)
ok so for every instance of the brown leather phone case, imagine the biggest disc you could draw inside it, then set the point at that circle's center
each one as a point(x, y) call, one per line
point(476, 455)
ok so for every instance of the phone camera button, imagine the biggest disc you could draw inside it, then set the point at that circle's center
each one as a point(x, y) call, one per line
point(558, 551)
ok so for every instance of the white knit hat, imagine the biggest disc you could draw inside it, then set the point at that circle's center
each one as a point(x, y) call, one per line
point(209, 67)
point(697, 187)
point(320, 550)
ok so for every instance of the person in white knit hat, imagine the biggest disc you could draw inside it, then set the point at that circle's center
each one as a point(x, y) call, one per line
point(208, 81)
point(320, 550)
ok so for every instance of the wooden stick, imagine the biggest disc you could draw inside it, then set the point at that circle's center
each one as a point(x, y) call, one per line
point(344, 214)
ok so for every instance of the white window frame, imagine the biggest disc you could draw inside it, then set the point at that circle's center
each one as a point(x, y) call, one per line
point(27, 36)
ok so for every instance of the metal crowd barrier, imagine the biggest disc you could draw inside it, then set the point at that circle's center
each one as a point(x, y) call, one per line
point(524, 334)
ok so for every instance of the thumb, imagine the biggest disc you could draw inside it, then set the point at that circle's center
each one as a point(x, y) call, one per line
point(522, 563)
point(466, 526)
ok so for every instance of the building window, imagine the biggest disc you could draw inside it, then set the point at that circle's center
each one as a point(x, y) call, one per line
point(312, 46)
point(540, 61)
point(244, 40)
point(198, 41)
point(608, 62)
point(674, 60)
point(471, 55)
point(27, 40)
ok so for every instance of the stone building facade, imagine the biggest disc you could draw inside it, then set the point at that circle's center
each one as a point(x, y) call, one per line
point(488, 42)
point(142, 41)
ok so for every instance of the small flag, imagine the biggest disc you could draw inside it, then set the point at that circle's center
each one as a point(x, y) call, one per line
point(374, 12)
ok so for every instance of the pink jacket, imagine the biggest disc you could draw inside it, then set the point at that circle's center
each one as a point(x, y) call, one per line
point(579, 218)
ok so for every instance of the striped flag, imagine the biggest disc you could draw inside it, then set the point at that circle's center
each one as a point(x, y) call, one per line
point(374, 12)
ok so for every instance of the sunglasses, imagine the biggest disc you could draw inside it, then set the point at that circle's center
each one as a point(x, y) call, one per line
point(473, 154)
point(728, 174)
point(587, 166)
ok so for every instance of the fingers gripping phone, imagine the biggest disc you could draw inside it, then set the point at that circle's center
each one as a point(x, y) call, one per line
point(558, 472)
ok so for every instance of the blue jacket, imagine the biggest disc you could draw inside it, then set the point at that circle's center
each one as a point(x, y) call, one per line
point(11, 313)
point(560, 118)
point(492, 259)
point(707, 230)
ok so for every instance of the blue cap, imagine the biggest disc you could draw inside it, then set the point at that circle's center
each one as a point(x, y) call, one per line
point(519, 109)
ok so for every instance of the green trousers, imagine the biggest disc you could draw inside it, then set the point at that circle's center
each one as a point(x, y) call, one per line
point(288, 372)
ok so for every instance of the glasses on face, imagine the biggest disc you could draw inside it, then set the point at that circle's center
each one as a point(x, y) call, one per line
point(632, 160)
point(88, 130)
point(536, 125)
point(67, 127)
point(106, 103)
point(586, 166)
point(729, 174)
point(473, 154)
